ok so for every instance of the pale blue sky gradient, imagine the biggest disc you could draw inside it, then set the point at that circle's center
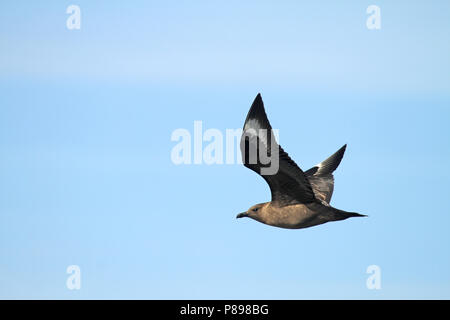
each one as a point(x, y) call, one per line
point(86, 177)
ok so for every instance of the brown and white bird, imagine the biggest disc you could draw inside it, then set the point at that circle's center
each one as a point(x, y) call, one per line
point(299, 199)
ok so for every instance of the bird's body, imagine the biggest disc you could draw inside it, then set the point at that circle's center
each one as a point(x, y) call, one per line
point(298, 216)
point(299, 199)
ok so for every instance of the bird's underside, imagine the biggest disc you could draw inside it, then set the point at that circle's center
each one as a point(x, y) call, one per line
point(299, 199)
point(298, 216)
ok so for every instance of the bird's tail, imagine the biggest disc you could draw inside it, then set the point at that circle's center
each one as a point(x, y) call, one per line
point(342, 215)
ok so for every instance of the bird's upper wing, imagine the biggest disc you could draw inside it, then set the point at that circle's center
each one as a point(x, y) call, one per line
point(288, 183)
point(321, 176)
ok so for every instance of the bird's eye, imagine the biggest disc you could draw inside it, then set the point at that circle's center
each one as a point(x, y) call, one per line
point(256, 209)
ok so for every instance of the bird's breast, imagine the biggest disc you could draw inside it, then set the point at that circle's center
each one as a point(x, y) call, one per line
point(290, 217)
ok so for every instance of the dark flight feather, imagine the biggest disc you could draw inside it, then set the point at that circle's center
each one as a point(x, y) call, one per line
point(321, 175)
point(289, 185)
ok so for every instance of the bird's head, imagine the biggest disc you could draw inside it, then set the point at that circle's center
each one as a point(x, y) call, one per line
point(255, 212)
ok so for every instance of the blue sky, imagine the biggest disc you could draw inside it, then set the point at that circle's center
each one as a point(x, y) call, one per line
point(86, 176)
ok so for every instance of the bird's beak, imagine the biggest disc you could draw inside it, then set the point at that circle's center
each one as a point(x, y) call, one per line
point(242, 215)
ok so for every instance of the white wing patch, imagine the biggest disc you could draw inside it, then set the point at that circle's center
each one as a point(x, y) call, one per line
point(253, 124)
point(253, 129)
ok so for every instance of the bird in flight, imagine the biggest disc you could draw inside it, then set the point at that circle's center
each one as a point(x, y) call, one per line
point(299, 199)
